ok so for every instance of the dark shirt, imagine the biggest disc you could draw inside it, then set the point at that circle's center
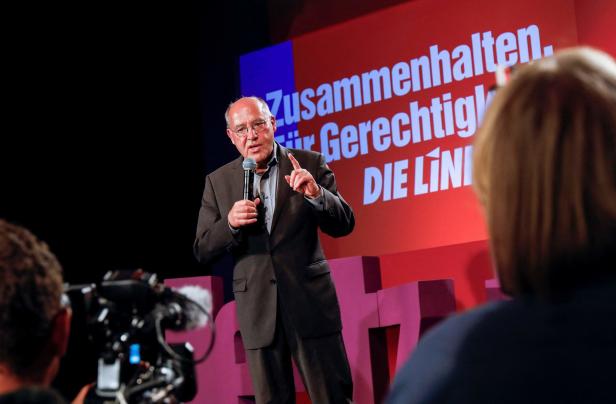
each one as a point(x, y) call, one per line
point(519, 351)
point(32, 395)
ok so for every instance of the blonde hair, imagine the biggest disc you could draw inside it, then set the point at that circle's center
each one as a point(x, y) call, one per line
point(545, 171)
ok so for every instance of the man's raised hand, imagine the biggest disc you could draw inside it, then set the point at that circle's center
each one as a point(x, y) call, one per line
point(302, 181)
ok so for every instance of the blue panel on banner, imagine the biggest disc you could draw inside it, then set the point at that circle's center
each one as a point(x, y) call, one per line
point(267, 70)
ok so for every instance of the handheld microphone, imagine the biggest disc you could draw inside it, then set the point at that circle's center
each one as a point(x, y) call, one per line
point(249, 165)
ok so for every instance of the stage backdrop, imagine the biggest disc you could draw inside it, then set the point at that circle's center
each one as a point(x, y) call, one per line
point(393, 99)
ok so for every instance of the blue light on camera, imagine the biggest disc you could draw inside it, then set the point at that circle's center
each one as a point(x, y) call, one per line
point(134, 355)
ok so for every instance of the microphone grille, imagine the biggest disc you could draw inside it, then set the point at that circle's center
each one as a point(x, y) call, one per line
point(195, 318)
point(249, 164)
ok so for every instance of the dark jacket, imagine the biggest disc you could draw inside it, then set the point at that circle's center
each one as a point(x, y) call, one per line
point(521, 351)
point(287, 263)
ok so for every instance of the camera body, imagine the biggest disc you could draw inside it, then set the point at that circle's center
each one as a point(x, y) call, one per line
point(125, 317)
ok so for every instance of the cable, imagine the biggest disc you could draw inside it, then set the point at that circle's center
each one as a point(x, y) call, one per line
point(161, 340)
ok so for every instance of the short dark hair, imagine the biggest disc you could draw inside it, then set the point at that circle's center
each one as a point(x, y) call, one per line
point(30, 295)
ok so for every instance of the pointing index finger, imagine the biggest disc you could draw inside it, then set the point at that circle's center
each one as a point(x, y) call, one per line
point(296, 165)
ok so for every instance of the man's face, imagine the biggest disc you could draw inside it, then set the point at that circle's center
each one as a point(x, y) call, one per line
point(251, 130)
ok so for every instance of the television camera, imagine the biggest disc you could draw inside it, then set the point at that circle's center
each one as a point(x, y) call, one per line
point(125, 317)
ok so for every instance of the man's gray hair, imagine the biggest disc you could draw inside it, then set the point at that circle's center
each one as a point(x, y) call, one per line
point(264, 107)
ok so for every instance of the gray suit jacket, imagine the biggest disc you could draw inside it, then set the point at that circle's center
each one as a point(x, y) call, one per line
point(288, 263)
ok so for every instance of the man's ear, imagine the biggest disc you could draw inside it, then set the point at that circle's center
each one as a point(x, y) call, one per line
point(273, 120)
point(61, 331)
point(230, 135)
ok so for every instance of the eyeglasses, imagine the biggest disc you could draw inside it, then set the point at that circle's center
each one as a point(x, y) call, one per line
point(257, 127)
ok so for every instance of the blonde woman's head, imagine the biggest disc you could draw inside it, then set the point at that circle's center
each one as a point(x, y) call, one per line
point(545, 171)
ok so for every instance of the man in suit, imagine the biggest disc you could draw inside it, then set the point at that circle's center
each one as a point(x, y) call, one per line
point(286, 301)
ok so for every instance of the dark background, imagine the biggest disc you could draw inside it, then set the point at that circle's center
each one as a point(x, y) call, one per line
point(112, 118)
point(115, 114)
point(113, 106)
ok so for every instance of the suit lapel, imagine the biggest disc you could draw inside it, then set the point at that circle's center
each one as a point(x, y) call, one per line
point(284, 190)
point(237, 184)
